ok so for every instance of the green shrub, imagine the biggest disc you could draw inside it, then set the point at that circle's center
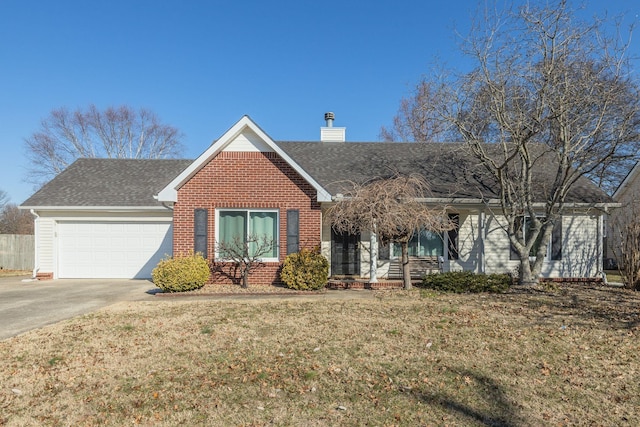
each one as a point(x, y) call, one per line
point(305, 270)
point(181, 273)
point(466, 281)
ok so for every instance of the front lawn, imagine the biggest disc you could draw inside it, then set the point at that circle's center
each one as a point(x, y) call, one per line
point(404, 358)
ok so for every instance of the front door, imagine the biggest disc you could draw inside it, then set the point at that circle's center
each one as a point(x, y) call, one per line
point(345, 254)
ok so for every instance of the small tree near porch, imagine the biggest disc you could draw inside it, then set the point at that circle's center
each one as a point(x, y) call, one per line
point(389, 208)
point(245, 255)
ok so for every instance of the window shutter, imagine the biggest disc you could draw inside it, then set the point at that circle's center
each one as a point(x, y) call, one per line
point(200, 226)
point(293, 231)
point(452, 237)
point(556, 240)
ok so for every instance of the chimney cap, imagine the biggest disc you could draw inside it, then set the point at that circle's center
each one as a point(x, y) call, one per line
point(329, 116)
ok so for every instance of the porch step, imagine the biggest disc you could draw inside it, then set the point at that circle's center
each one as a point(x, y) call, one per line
point(418, 266)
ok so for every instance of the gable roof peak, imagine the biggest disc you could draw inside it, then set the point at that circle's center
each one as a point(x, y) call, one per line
point(170, 192)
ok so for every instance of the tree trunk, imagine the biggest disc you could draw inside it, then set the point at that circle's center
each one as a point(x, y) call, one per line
point(525, 275)
point(244, 273)
point(406, 271)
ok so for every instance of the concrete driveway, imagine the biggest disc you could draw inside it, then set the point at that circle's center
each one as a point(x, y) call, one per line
point(26, 305)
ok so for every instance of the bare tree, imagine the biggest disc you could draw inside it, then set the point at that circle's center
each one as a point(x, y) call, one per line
point(13, 220)
point(244, 255)
point(4, 199)
point(552, 94)
point(416, 121)
point(116, 132)
point(390, 208)
point(629, 253)
point(624, 236)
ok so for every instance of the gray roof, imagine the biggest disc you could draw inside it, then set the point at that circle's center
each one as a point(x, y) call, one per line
point(108, 182)
point(450, 170)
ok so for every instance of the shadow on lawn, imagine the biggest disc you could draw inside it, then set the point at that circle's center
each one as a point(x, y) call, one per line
point(615, 307)
point(498, 410)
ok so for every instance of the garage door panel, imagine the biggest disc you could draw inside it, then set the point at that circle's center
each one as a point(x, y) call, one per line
point(111, 249)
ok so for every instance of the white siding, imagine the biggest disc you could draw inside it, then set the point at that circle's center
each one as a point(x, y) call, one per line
point(332, 134)
point(484, 246)
point(497, 246)
point(469, 244)
point(247, 141)
point(45, 246)
point(580, 248)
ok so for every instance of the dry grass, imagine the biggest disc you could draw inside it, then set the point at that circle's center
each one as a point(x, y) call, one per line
point(406, 358)
point(11, 273)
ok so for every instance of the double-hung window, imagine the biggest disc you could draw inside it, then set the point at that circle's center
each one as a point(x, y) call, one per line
point(253, 226)
point(554, 245)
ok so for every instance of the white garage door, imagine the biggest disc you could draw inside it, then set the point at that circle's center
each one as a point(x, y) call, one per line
point(128, 250)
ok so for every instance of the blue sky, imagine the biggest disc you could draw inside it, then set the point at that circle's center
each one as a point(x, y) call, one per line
point(201, 65)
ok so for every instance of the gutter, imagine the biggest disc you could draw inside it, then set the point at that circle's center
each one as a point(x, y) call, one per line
point(96, 208)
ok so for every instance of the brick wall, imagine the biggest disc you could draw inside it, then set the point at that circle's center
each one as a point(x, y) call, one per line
point(247, 180)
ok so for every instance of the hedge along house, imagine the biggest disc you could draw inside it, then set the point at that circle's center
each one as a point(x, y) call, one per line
point(108, 218)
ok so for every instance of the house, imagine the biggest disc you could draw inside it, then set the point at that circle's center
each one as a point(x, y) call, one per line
point(626, 195)
point(111, 218)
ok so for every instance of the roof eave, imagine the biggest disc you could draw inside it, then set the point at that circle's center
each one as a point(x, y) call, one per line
point(93, 208)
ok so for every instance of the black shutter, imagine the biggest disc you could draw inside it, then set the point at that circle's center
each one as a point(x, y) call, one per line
point(556, 240)
point(200, 228)
point(452, 237)
point(293, 231)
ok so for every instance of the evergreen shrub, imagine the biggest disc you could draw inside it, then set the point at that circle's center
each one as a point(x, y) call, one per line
point(466, 281)
point(305, 270)
point(181, 273)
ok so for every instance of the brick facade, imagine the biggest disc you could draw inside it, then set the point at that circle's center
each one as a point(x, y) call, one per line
point(247, 180)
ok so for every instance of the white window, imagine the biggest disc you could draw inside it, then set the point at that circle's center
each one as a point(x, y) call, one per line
point(253, 226)
point(424, 243)
point(554, 245)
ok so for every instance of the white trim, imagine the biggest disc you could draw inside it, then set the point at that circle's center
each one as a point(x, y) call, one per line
point(170, 192)
point(458, 201)
point(113, 219)
point(96, 208)
point(626, 181)
point(249, 210)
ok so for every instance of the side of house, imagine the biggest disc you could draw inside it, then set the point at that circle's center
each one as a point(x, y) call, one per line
point(480, 245)
point(628, 197)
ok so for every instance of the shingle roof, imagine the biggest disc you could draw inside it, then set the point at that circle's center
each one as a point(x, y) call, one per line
point(108, 182)
point(448, 167)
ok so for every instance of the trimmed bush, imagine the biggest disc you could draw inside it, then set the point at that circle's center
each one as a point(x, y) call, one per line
point(181, 273)
point(305, 270)
point(466, 281)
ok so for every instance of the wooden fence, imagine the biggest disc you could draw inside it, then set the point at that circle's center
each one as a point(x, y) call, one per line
point(17, 251)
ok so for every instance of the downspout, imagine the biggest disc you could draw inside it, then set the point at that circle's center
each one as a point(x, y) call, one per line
point(600, 272)
point(35, 239)
point(481, 262)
